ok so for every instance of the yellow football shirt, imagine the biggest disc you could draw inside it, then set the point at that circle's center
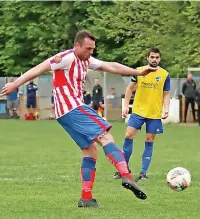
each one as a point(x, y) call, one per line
point(148, 100)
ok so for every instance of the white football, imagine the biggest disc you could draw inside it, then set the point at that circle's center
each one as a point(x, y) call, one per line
point(178, 179)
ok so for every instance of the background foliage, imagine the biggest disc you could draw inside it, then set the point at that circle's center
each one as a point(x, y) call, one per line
point(32, 31)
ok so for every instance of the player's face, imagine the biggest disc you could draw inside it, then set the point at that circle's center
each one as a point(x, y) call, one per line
point(154, 59)
point(85, 49)
point(96, 81)
point(189, 77)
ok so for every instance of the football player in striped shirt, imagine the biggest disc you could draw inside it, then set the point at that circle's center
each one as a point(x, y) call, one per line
point(79, 120)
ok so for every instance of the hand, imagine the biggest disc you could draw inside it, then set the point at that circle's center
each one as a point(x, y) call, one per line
point(125, 111)
point(147, 70)
point(165, 115)
point(8, 89)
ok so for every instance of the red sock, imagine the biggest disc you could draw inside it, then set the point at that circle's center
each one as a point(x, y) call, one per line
point(121, 167)
point(116, 157)
point(88, 173)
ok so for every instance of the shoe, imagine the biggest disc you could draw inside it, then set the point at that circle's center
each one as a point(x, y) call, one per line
point(142, 176)
point(118, 176)
point(92, 203)
point(131, 185)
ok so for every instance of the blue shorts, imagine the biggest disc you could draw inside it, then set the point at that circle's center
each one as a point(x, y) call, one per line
point(153, 126)
point(84, 125)
point(31, 102)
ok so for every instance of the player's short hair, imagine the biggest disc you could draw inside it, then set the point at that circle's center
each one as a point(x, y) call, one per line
point(154, 50)
point(82, 34)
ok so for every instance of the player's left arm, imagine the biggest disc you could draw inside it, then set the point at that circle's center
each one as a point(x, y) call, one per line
point(117, 68)
point(166, 97)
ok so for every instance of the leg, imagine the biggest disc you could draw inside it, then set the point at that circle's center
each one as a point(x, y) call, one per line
point(116, 157)
point(127, 147)
point(52, 111)
point(135, 123)
point(18, 112)
point(10, 108)
point(199, 114)
point(88, 172)
point(128, 142)
point(75, 122)
point(16, 108)
point(193, 108)
point(148, 151)
point(11, 113)
point(186, 107)
point(153, 127)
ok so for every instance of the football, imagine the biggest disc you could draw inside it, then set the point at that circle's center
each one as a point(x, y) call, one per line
point(178, 179)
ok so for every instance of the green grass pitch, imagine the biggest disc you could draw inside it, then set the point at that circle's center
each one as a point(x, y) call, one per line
point(40, 166)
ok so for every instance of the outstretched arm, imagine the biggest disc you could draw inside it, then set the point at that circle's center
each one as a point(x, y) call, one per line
point(27, 76)
point(116, 68)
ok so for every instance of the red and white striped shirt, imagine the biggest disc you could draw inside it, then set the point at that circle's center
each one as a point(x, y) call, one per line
point(69, 76)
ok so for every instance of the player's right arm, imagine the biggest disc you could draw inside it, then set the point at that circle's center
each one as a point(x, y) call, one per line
point(59, 61)
point(128, 93)
point(27, 76)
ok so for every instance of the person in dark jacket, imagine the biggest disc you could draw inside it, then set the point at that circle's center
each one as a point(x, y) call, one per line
point(97, 94)
point(31, 105)
point(188, 90)
point(87, 97)
point(197, 100)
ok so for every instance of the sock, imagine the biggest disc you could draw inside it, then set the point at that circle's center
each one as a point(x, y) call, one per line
point(116, 157)
point(88, 172)
point(127, 149)
point(146, 157)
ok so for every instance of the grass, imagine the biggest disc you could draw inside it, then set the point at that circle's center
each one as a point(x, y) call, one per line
point(39, 175)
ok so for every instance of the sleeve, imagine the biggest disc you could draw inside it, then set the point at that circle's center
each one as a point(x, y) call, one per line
point(184, 88)
point(89, 97)
point(167, 84)
point(195, 85)
point(94, 63)
point(101, 91)
point(134, 79)
point(61, 61)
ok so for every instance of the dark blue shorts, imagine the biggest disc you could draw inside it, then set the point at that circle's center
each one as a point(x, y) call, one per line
point(84, 125)
point(31, 102)
point(153, 126)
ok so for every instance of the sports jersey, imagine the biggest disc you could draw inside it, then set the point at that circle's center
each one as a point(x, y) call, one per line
point(148, 101)
point(69, 76)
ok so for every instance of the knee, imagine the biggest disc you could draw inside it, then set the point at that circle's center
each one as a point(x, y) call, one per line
point(91, 151)
point(105, 138)
point(149, 138)
point(130, 135)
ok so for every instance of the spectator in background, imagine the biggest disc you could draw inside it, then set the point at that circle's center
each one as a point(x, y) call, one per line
point(97, 94)
point(100, 110)
point(113, 99)
point(87, 97)
point(13, 102)
point(197, 100)
point(188, 90)
point(52, 116)
point(31, 105)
